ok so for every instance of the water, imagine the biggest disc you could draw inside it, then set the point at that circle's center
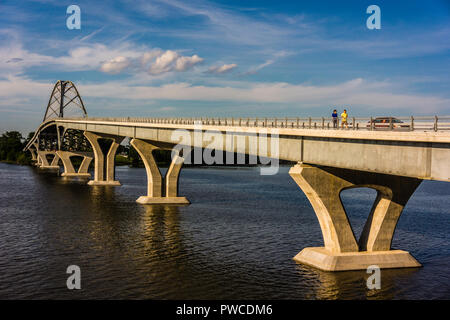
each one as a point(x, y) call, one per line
point(235, 241)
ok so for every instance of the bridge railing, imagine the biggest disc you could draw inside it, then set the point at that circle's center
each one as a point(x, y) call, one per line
point(430, 123)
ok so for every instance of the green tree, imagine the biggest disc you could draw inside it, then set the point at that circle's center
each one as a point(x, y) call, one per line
point(11, 148)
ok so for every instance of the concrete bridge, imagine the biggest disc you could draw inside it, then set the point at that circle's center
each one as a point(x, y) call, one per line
point(392, 160)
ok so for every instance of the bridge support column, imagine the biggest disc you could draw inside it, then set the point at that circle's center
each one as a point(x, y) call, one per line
point(159, 190)
point(43, 162)
point(69, 170)
point(322, 186)
point(38, 160)
point(35, 160)
point(104, 173)
point(34, 157)
point(33, 154)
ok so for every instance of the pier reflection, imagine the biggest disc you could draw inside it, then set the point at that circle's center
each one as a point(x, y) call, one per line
point(161, 230)
point(346, 284)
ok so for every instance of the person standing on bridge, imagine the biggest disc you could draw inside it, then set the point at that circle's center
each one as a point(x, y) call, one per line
point(334, 116)
point(344, 116)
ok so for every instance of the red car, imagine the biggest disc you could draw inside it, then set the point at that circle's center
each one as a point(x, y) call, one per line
point(384, 123)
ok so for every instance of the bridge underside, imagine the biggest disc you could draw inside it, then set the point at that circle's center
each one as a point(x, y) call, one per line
point(395, 153)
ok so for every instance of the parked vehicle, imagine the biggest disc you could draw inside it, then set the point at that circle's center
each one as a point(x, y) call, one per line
point(384, 123)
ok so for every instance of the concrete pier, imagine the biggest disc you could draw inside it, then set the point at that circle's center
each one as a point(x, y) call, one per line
point(322, 186)
point(104, 169)
point(159, 190)
point(43, 161)
point(69, 170)
point(33, 154)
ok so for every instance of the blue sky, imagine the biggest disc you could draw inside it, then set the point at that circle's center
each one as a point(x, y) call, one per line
point(198, 58)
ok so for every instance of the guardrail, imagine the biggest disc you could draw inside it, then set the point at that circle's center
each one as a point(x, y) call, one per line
point(431, 123)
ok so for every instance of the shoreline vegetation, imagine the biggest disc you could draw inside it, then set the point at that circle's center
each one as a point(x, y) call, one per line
point(12, 144)
point(11, 148)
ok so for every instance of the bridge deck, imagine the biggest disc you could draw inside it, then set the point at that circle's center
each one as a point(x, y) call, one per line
point(415, 154)
point(442, 136)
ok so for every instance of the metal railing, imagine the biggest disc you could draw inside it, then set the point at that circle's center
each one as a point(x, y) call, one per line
point(429, 123)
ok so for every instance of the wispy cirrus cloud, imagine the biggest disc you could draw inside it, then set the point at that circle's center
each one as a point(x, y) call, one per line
point(222, 69)
point(299, 32)
point(16, 59)
point(112, 59)
point(91, 35)
point(219, 23)
point(274, 57)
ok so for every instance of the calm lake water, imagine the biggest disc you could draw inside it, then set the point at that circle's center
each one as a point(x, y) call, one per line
point(235, 241)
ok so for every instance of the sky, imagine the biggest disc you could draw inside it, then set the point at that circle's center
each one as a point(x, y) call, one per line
point(198, 58)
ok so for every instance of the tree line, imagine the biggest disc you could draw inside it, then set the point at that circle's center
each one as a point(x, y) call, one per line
point(11, 148)
point(12, 144)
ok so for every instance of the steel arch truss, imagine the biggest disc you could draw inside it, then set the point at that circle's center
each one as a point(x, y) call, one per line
point(74, 140)
point(64, 100)
point(48, 139)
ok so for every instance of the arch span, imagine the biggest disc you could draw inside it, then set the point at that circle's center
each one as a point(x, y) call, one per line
point(64, 100)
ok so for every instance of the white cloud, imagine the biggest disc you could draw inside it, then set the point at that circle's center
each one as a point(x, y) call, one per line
point(154, 62)
point(93, 57)
point(170, 61)
point(115, 65)
point(163, 63)
point(185, 63)
point(222, 69)
point(149, 56)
